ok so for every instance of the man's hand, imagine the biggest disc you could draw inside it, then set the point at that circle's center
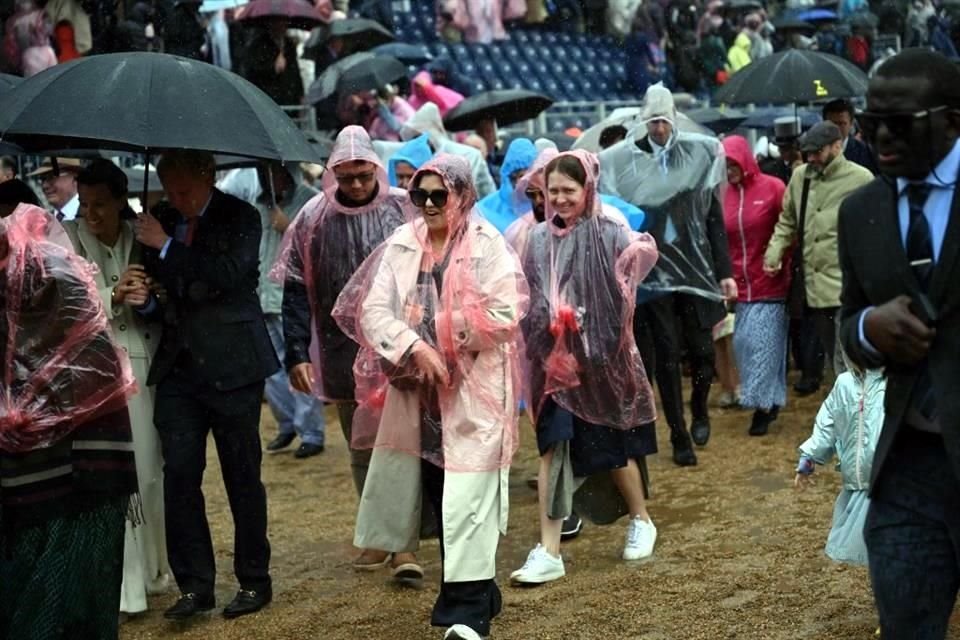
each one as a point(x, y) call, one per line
point(430, 365)
point(301, 377)
point(280, 64)
point(150, 232)
point(279, 220)
point(728, 287)
point(772, 270)
point(897, 333)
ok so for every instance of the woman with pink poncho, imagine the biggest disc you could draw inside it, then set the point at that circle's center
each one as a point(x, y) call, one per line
point(436, 310)
point(589, 395)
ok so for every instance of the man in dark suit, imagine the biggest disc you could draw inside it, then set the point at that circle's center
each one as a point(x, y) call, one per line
point(841, 113)
point(209, 369)
point(899, 240)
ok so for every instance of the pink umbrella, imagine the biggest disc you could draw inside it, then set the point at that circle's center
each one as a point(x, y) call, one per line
point(301, 14)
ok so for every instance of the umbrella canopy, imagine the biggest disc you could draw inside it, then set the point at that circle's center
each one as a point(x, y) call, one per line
point(148, 102)
point(302, 15)
point(358, 34)
point(817, 15)
point(8, 82)
point(372, 73)
point(415, 54)
point(326, 84)
point(627, 117)
point(718, 120)
point(744, 5)
point(793, 76)
point(507, 107)
point(211, 6)
point(785, 23)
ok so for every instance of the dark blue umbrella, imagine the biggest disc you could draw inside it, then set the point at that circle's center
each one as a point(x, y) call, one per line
point(410, 54)
point(817, 15)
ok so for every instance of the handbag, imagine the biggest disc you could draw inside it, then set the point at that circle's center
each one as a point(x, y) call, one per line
point(797, 296)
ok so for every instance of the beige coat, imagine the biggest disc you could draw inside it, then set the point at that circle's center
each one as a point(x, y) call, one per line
point(821, 263)
point(475, 504)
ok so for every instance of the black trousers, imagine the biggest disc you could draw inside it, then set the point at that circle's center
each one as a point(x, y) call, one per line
point(913, 538)
point(807, 350)
point(186, 412)
point(663, 327)
point(474, 604)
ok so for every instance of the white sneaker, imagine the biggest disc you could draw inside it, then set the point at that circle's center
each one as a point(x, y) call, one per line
point(641, 536)
point(461, 632)
point(539, 568)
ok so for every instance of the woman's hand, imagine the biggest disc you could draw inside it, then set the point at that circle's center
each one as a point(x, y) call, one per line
point(430, 365)
point(132, 289)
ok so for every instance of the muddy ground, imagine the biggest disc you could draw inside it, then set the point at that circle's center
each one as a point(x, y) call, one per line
point(739, 555)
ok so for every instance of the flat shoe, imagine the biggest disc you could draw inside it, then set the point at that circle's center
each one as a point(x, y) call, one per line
point(408, 571)
point(372, 566)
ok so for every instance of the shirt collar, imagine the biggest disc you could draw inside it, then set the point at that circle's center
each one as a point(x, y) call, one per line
point(943, 176)
point(69, 210)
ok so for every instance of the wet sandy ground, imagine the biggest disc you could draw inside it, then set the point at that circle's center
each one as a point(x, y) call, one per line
point(739, 555)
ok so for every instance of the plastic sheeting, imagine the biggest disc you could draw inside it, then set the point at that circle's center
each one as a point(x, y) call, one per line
point(326, 244)
point(579, 331)
point(675, 187)
point(501, 208)
point(415, 152)
point(61, 367)
point(461, 305)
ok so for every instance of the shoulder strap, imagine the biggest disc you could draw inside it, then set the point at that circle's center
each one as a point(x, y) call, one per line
point(801, 229)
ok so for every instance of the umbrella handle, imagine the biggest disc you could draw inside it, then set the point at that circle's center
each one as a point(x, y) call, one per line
point(146, 183)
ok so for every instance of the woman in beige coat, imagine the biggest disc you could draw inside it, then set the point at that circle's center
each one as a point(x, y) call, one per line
point(436, 310)
point(102, 235)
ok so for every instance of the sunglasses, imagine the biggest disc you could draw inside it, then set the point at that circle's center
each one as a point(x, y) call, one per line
point(898, 123)
point(438, 197)
point(533, 194)
point(349, 179)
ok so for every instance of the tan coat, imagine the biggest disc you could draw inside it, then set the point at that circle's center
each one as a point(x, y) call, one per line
point(475, 504)
point(821, 264)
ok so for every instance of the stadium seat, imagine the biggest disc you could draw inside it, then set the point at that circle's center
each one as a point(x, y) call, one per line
point(550, 37)
point(523, 68)
point(468, 68)
point(460, 52)
point(519, 36)
point(511, 51)
point(535, 37)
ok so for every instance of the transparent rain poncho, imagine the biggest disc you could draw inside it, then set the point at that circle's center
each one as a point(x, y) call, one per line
point(465, 302)
point(328, 240)
point(579, 330)
point(675, 187)
point(61, 367)
point(518, 233)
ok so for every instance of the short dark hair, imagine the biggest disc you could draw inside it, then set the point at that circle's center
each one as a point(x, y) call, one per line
point(16, 191)
point(188, 161)
point(612, 134)
point(102, 171)
point(568, 166)
point(9, 162)
point(838, 106)
point(939, 71)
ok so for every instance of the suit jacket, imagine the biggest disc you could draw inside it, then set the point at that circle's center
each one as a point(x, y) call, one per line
point(875, 270)
point(213, 311)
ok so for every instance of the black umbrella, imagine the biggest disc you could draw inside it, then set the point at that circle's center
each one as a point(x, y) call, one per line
point(369, 74)
point(358, 34)
point(8, 82)
point(148, 102)
point(507, 107)
point(791, 77)
point(785, 23)
point(415, 54)
point(326, 84)
point(718, 120)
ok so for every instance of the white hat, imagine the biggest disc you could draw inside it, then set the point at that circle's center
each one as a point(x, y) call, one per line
point(658, 105)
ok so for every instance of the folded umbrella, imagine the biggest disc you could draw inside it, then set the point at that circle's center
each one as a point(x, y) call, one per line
point(302, 15)
point(372, 73)
point(326, 84)
point(415, 54)
point(148, 102)
point(358, 34)
point(793, 76)
point(507, 107)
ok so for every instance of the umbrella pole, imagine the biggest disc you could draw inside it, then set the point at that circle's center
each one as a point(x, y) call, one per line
point(273, 195)
point(146, 182)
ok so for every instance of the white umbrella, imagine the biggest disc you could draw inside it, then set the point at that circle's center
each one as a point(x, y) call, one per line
point(212, 6)
point(627, 117)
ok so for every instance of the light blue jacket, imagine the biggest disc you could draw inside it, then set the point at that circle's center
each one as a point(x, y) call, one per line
point(848, 426)
point(498, 207)
point(415, 152)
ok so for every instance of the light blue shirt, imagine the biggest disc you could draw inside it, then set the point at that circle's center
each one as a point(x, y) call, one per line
point(936, 210)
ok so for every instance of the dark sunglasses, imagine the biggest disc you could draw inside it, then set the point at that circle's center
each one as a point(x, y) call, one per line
point(898, 123)
point(533, 194)
point(349, 179)
point(438, 197)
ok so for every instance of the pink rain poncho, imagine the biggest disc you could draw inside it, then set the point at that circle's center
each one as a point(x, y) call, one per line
point(329, 239)
point(465, 303)
point(579, 331)
point(424, 90)
point(518, 233)
point(61, 367)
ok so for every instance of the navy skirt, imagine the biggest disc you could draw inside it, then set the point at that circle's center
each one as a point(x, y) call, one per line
point(593, 448)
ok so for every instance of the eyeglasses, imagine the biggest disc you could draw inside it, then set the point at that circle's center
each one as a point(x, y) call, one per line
point(438, 197)
point(348, 179)
point(898, 123)
point(533, 194)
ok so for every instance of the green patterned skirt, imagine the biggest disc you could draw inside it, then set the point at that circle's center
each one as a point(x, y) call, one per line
point(61, 579)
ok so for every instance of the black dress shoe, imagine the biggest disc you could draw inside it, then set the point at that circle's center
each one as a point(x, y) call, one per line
point(762, 420)
point(189, 605)
point(806, 387)
point(247, 602)
point(571, 527)
point(700, 431)
point(281, 442)
point(307, 450)
point(684, 457)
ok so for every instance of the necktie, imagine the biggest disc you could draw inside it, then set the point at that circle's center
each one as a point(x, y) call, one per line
point(60, 216)
point(191, 229)
point(920, 255)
